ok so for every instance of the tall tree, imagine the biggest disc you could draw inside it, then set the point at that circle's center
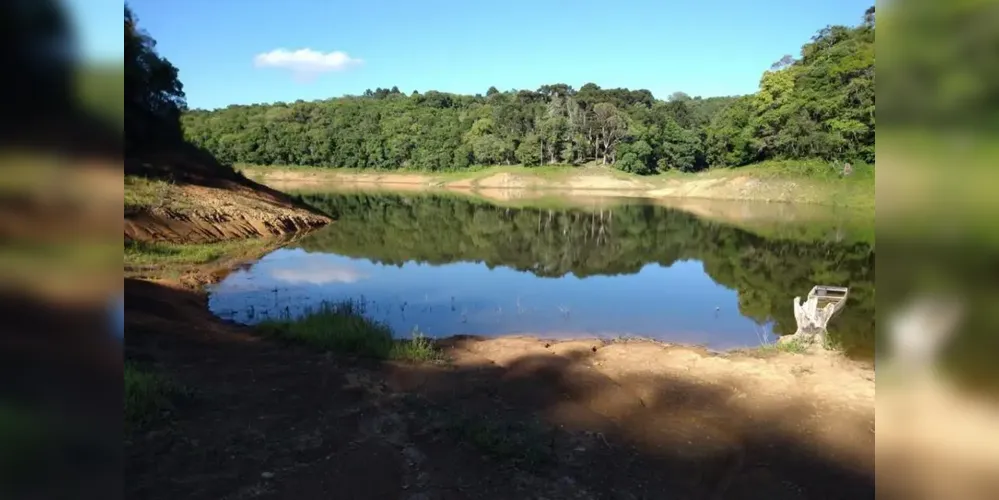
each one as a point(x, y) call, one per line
point(611, 128)
point(154, 97)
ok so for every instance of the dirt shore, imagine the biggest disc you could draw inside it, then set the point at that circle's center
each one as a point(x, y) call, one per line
point(503, 418)
point(591, 181)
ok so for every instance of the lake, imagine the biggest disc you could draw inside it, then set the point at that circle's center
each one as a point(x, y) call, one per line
point(448, 264)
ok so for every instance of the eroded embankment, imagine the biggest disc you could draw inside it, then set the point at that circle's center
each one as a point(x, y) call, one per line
point(219, 215)
point(216, 210)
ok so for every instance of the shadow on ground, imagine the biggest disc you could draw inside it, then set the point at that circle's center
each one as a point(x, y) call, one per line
point(272, 421)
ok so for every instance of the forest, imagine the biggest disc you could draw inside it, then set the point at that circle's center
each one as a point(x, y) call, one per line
point(441, 229)
point(819, 105)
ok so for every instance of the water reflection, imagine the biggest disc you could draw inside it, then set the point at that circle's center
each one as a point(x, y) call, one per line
point(315, 269)
point(454, 265)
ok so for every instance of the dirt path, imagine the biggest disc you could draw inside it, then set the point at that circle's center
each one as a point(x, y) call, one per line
point(506, 418)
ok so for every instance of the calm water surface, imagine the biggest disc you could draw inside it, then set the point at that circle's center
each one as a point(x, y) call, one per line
point(447, 265)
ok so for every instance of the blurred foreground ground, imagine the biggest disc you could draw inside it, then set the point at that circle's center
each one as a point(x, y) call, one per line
point(937, 196)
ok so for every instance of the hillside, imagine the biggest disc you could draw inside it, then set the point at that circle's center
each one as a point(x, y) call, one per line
point(175, 191)
point(819, 105)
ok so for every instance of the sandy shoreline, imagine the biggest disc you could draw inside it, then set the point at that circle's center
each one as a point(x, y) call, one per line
point(590, 181)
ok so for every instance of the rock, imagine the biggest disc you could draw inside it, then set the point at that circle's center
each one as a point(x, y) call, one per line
point(267, 475)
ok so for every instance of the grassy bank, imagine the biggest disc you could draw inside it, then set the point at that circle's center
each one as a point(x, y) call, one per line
point(158, 259)
point(143, 193)
point(812, 182)
point(148, 394)
point(815, 181)
point(342, 327)
point(141, 254)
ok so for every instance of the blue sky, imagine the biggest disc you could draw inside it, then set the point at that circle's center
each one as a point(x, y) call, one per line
point(98, 28)
point(702, 47)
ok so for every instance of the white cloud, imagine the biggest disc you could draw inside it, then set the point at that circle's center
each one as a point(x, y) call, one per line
point(317, 274)
point(306, 63)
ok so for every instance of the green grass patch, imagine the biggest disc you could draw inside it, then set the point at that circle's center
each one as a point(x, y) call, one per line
point(523, 443)
point(142, 193)
point(140, 254)
point(812, 169)
point(27, 439)
point(798, 346)
point(99, 88)
point(20, 430)
point(147, 394)
point(508, 437)
point(832, 342)
point(818, 181)
point(793, 346)
point(418, 347)
point(62, 257)
point(343, 327)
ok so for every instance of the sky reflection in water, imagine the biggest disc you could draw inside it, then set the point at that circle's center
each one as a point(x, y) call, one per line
point(679, 303)
point(452, 265)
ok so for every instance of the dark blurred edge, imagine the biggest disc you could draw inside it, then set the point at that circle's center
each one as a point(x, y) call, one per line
point(937, 192)
point(60, 372)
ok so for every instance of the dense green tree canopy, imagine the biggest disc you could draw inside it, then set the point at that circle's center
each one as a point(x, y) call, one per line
point(820, 105)
point(154, 97)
